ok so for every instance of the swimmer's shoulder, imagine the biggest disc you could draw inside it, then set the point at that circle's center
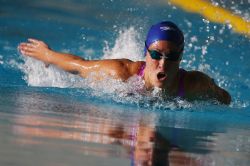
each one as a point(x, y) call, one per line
point(126, 68)
point(135, 67)
point(196, 77)
point(197, 81)
point(200, 85)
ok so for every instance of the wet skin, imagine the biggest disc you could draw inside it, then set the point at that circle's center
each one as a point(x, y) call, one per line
point(158, 73)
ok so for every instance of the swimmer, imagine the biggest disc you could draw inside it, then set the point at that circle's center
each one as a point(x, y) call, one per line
point(163, 53)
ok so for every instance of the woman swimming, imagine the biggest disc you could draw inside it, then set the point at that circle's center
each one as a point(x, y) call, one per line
point(163, 52)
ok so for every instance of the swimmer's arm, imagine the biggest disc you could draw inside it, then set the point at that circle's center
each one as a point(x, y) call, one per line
point(218, 93)
point(40, 50)
point(202, 86)
point(211, 90)
point(120, 69)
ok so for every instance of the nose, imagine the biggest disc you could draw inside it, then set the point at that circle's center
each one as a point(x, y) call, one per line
point(162, 63)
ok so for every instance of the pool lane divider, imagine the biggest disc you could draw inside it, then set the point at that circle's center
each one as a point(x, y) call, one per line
point(215, 14)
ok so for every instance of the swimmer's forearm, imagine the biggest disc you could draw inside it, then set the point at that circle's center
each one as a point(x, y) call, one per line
point(67, 62)
point(41, 51)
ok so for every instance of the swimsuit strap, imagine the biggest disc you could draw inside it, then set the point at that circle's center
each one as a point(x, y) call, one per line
point(141, 70)
point(181, 90)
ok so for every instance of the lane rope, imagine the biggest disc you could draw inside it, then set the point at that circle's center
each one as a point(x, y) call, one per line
point(215, 14)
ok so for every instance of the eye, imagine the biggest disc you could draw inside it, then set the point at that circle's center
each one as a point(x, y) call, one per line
point(155, 54)
point(173, 56)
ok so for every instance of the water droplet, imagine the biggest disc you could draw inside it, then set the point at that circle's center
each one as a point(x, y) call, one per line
point(229, 26)
point(194, 39)
point(205, 21)
point(83, 37)
point(216, 4)
point(211, 38)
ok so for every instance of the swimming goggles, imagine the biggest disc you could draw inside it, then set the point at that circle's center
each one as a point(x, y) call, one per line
point(156, 55)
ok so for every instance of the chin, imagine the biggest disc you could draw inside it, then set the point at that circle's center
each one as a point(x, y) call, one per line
point(158, 84)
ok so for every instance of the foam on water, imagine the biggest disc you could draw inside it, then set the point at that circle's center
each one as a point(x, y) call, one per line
point(1, 59)
point(36, 74)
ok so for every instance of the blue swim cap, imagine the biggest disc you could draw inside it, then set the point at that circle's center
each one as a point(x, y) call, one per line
point(167, 31)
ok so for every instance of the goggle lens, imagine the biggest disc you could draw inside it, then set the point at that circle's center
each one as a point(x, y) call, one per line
point(156, 55)
point(173, 56)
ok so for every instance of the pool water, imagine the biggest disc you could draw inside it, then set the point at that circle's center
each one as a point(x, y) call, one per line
point(50, 117)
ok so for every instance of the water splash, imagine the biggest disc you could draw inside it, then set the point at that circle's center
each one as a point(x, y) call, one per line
point(36, 74)
point(1, 59)
point(127, 45)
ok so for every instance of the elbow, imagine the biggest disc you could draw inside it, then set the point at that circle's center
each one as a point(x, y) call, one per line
point(75, 72)
point(228, 98)
point(225, 98)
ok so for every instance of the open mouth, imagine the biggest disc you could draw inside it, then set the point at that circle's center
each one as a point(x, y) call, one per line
point(161, 76)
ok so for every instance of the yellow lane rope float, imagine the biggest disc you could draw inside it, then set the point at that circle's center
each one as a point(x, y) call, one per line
point(215, 14)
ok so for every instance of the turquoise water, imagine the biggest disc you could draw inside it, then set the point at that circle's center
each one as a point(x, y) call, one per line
point(49, 117)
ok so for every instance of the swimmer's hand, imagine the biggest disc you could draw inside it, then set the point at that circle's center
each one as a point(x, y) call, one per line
point(36, 49)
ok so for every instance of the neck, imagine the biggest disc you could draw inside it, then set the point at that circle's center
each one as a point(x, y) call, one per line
point(148, 85)
point(172, 87)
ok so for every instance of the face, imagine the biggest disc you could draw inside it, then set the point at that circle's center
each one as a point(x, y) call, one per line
point(161, 72)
